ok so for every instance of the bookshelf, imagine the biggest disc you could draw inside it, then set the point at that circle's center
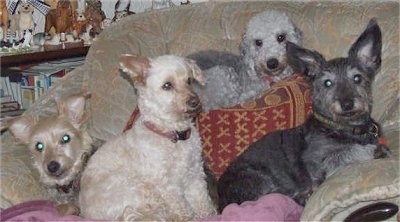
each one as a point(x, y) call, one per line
point(41, 56)
point(24, 77)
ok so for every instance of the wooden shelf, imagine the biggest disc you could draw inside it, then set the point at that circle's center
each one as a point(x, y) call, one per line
point(42, 56)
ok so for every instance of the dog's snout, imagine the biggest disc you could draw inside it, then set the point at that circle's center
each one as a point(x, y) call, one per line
point(272, 63)
point(53, 167)
point(347, 105)
point(193, 102)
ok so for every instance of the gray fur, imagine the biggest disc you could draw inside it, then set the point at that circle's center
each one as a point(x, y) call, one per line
point(296, 161)
point(233, 79)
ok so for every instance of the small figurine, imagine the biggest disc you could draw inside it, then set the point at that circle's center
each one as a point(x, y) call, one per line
point(60, 18)
point(4, 19)
point(185, 3)
point(121, 12)
point(79, 23)
point(95, 15)
point(22, 20)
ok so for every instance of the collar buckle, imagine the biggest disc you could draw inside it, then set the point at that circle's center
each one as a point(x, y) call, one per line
point(374, 129)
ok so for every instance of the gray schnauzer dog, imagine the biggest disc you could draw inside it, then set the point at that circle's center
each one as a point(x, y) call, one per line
point(232, 79)
point(340, 132)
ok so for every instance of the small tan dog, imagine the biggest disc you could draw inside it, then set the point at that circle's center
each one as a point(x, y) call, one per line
point(60, 147)
point(22, 20)
point(154, 171)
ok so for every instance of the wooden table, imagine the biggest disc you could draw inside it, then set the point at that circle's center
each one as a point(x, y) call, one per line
point(42, 56)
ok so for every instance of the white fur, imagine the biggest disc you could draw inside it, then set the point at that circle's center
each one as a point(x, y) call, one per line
point(141, 175)
point(22, 20)
point(234, 81)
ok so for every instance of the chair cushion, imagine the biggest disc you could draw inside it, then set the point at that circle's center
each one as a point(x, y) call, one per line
point(227, 132)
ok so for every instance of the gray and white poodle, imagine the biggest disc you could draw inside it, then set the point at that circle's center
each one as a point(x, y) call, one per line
point(233, 79)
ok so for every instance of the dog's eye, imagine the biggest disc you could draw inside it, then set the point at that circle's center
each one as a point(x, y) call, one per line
point(39, 146)
point(281, 37)
point(65, 139)
point(258, 42)
point(167, 86)
point(357, 79)
point(189, 81)
point(328, 83)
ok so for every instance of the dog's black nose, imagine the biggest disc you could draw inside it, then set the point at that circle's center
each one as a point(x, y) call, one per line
point(272, 63)
point(347, 105)
point(53, 167)
point(193, 102)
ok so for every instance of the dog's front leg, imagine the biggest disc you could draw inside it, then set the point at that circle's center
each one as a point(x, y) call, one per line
point(68, 209)
point(197, 194)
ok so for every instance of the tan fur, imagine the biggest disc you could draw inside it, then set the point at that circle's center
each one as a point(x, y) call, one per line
point(4, 17)
point(52, 3)
point(141, 175)
point(60, 18)
point(22, 19)
point(79, 23)
point(71, 155)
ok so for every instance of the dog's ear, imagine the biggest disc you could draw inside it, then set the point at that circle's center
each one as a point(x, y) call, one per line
point(367, 49)
point(197, 73)
point(136, 67)
point(305, 61)
point(21, 127)
point(73, 107)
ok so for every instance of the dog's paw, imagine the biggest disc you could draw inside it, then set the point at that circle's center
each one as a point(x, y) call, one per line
point(68, 209)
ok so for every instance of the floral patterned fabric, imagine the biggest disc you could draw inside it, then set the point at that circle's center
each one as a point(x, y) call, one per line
point(329, 27)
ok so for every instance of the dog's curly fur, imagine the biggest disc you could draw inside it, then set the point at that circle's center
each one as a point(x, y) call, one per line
point(340, 132)
point(233, 79)
point(60, 146)
point(144, 174)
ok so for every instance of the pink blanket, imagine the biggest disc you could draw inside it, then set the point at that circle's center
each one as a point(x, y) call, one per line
point(271, 207)
point(37, 210)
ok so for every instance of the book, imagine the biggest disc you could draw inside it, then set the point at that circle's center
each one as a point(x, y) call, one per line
point(5, 85)
point(25, 84)
point(28, 96)
point(12, 113)
point(6, 98)
point(9, 106)
point(55, 77)
point(11, 86)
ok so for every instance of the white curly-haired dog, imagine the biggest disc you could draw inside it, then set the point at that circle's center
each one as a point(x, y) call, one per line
point(154, 171)
point(60, 146)
point(232, 79)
